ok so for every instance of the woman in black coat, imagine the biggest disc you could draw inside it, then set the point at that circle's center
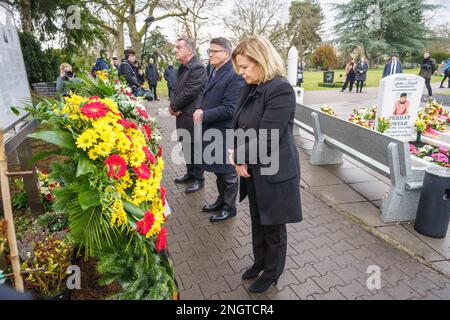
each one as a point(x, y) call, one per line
point(270, 179)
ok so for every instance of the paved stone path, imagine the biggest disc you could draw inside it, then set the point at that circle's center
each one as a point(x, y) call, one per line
point(328, 254)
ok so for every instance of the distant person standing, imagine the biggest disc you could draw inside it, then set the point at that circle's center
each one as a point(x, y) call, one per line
point(115, 62)
point(349, 75)
point(170, 74)
point(299, 74)
point(189, 85)
point(393, 66)
point(65, 75)
point(127, 70)
point(446, 73)
point(361, 74)
point(427, 69)
point(152, 76)
point(101, 63)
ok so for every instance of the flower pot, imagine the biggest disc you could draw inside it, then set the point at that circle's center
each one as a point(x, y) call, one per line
point(419, 136)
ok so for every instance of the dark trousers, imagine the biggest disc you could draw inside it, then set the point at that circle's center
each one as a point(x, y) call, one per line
point(446, 75)
point(194, 170)
point(427, 83)
point(170, 92)
point(359, 85)
point(227, 185)
point(269, 241)
point(153, 89)
point(347, 81)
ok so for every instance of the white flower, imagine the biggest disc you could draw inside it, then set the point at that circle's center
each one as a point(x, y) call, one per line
point(429, 159)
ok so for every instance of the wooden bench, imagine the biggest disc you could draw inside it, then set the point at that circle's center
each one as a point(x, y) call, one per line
point(386, 155)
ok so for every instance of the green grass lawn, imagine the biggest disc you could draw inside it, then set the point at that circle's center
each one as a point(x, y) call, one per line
point(312, 79)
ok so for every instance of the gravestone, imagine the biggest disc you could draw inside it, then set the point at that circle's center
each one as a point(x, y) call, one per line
point(398, 100)
point(14, 87)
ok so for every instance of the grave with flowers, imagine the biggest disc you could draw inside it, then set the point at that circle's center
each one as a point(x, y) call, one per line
point(109, 193)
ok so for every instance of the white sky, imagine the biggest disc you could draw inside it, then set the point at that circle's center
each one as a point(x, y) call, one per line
point(168, 27)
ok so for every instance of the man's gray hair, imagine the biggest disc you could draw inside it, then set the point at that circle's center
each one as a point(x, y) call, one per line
point(224, 43)
point(189, 43)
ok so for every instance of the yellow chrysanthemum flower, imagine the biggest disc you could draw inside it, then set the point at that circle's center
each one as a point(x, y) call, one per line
point(86, 139)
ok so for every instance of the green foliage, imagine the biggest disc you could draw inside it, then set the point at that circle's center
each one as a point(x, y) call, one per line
point(142, 273)
point(53, 221)
point(61, 139)
point(325, 57)
point(399, 26)
point(304, 25)
point(331, 84)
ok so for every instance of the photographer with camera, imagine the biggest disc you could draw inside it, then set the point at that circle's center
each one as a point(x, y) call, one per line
point(65, 74)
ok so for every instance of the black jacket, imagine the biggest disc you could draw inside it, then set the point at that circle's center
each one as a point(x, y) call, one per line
point(128, 71)
point(189, 85)
point(271, 106)
point(151, 74)
point(170, 75)
point(218, 103)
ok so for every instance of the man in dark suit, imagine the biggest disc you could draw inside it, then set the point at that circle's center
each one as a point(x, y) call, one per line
point(393, 66)
point(170, 74)
point(189, 85)
point(216, 112)
point(152, 75)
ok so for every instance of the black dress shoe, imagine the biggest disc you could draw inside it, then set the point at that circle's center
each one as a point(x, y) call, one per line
point(224, 215)
point(184, 179)
point(262, 284)
point(196, 185)
point(252, 273)
point(216, 206)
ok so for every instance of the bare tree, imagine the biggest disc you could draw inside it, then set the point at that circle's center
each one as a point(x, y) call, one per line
point(263, 17)
point(127, 13)
point(198, 17)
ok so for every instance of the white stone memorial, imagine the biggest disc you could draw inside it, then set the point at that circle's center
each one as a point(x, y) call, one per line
point(399, 97)
point(14, 87)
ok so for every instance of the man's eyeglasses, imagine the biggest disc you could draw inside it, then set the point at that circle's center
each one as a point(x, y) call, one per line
point(209, 51)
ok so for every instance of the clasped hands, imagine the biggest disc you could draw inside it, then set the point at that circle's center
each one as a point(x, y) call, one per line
point(241, 169)
point(173, 113)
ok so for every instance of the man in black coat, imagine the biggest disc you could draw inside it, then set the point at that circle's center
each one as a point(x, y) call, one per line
point(126, 69)
point(170, 75)
point(216, 112)
point(152, 76)
point(189, 85)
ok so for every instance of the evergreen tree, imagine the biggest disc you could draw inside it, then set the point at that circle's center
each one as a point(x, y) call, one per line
point(304, 25)
point(382, 26)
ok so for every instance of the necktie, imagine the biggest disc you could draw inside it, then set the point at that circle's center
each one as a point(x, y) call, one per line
point(213, 74)
point(394, 66)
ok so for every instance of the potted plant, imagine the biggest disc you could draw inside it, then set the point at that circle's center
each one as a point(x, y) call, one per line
point(52, 257)
point(420, 126)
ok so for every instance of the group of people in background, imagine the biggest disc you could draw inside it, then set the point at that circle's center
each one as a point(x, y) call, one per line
point(355, 72)
point(358, 72)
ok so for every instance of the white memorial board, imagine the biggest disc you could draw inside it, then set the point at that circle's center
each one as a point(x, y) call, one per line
point(14, 87)
point(399, 97)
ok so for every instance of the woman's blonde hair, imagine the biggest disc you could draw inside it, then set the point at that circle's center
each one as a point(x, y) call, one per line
point(65, 65)
point(261, 51)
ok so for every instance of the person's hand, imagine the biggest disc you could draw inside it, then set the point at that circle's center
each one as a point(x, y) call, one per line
point(198, 116)
point(231, 157)
point(173, 113)
point(242, 170)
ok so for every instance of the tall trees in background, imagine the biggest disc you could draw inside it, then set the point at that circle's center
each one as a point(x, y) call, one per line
point(304, 26)
point(382, 26)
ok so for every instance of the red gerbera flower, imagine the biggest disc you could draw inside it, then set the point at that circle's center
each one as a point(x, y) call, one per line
point(162, 190)
point(149, 155)
point(147, 131)
point(127, 124)
point(142, 112)
point(142, 172)
point(161, 240)
point(117, 166)
point(94, 110)
point(143, 226)
point(159, 151)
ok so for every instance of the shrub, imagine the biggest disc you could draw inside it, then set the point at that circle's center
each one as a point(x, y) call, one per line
point(325, 57)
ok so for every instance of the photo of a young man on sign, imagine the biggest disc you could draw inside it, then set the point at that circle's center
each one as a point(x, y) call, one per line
point(401, 106)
